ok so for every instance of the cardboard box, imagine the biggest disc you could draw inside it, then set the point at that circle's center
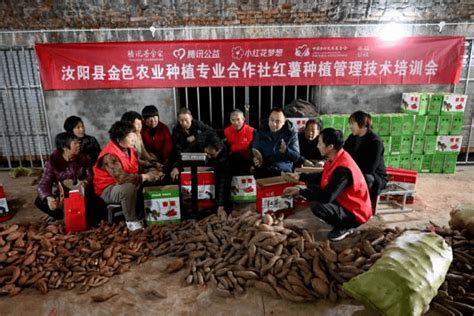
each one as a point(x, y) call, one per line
point(418, 144)
point(415, 103)
point(438, 163)
point(430, 144)
point(431, 124)
point(419, 125)
point(450, 160)
point(406, 144)
point(162, 204)
point(436, 101)
point(448, 143)
point(454, 104)
point(243, 189)
point(416, 162)
point(444, 124)
point(405, 161)
point(206, 183)
point(387, 143)
point(327, 121)
point(269, 195)
point(396, 143)
point(384, 125)
point(340, 122)
point(405, 178)
point(5, 213)
point(457, 125)
point(394, 161)
point(309, 169)
point(427, 162)
point(386, 160)
point(408, 124)
point(396, 124)
point(299, 123)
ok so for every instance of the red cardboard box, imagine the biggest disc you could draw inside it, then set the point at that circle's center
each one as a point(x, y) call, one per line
point(206, 183)
point(75, 212)
point(5, 213)
point(269, 195)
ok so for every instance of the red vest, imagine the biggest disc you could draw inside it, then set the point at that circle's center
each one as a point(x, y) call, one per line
point(239, 141)
point(102, 177)
point(355, 198)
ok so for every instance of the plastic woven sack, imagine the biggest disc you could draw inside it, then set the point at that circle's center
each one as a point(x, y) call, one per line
point(406, 278)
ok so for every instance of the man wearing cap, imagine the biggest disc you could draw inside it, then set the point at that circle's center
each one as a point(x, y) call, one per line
point(156, 135)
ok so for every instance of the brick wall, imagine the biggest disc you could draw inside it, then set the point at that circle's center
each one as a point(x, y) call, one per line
point(55, 14)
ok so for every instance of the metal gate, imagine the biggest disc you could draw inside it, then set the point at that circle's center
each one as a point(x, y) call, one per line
point(24, 131)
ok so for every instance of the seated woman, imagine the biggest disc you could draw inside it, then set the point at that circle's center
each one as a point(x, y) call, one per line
point(308, 141)
point(366, 148)
point(89, 144)
point(146, 159)
point(66, 166)
point(117, 178)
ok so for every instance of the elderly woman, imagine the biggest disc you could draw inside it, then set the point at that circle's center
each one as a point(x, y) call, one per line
point(66, 166)
point(89, 144)
point(117, 178)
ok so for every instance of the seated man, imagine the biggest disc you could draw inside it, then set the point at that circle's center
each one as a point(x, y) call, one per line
point(239, 137)
point(340, 191)
point(156, 136)
point(217, 158)
point(189, 135)
point(66, 164)
point(308, 141)
point(275, 146)
point(117, 178)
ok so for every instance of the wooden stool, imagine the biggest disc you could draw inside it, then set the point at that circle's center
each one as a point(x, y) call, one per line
point(113, 211)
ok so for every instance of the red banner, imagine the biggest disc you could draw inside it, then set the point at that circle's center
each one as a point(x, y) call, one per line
point(251, 62)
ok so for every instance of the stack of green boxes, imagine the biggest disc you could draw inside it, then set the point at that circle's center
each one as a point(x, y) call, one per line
point(417, 139)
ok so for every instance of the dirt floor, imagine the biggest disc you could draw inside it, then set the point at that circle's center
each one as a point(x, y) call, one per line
point(436, 195)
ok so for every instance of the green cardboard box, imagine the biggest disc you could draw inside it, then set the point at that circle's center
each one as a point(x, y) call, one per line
point(415, 103)
point(162, 204)
point(384, 125)
point(431, 124)
point(405, 161)
point(386, 140)
point(340, 122)
point(386, 160)
point(450, 162)
point(395, 144)
point(406, 143)
point(375, 123)
point(416, 162)
point(427, 162)
point(436, 101)
point(438, 163)
point(454, 104)
point(396, 124)
point(430, 144)
point(418, 144)
point(408, 124)
point(419, 125)
point(394, 161)
point(456, 125)
point(444, 124)
point(327, 121)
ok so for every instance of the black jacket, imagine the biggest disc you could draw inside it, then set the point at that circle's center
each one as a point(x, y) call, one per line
point(367, 151)
point(308, 148)
point(90, 147)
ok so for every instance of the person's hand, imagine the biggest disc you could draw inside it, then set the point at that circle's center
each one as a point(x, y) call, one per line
point(257, 157)
point(291, 177)
point(174, 174)
point(291, 192)
point(191, 139)
point(158, 166)
point(53, 203)
point(283, 147)
point(308, 163)
point(221, 210)
point(320, 163)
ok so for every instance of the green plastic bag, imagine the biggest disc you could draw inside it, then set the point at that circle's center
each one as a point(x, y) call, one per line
point(407, 277)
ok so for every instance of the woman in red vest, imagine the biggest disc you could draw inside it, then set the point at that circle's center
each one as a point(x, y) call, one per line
point(340, 193)
point(116, 173)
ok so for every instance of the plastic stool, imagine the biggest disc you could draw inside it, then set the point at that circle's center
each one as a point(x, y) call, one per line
point(113, 211)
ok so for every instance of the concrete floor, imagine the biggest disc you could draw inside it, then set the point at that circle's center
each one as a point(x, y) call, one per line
point(436, 195)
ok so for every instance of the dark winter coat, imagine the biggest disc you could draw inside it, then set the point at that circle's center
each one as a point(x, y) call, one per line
point(58, 169)
point(268, 143)
point(90, 147)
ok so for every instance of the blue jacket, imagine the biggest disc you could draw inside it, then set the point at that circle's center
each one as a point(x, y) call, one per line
point(268, 143)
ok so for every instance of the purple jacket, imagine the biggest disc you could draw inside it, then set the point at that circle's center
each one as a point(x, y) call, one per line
point(58, 169)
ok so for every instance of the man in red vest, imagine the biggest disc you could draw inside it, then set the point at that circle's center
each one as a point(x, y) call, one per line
point(340, 193)
point(239, 137)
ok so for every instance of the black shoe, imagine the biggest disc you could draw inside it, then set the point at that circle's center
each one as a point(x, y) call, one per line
point(340, 233)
